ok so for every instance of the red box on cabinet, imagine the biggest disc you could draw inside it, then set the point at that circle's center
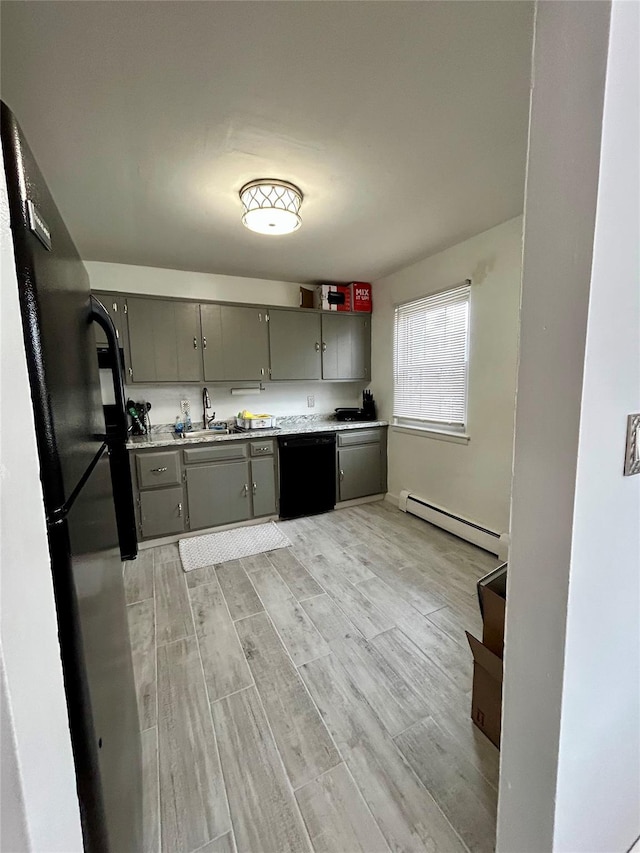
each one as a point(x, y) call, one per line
point(361, 296)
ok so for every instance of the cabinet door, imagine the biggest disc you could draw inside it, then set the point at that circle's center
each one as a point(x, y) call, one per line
point(294, 345)
point(360, 471)
point(263, 475)
point(237, 343)
point(218, 494)
point(152, 340)
point(346, 345)
point(164, 340)
point(114, 305)
point(188, 341)
point(161, 512)
point(212, 345)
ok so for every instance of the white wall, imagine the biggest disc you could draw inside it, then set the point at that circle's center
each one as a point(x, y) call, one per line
point(570, 759)
point(474, 479)
point(28, 633)
point(598, 789)
point(278, 398)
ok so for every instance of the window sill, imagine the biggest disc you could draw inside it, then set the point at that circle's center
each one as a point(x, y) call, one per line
point(430, 432)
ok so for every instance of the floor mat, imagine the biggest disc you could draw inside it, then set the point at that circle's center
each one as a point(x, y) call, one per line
point(212, 548)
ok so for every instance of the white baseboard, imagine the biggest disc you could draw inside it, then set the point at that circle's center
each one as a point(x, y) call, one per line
point(370, 499)
point(467, 529)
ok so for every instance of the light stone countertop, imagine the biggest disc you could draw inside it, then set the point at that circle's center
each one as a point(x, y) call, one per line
point(289, 426)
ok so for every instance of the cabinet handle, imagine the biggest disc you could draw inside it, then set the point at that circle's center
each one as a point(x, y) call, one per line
point(131, 372)
point(179, 510)
point(324, 347)
point(262, 371)
point(245, 490)
point(341, 475)
point(255, 486)
point(317, 346)
point(195, 343)
point(117, 334)
point(158, 470)
point(125, 310)
point(204, 343)
point(260, 317)
point(115, 306)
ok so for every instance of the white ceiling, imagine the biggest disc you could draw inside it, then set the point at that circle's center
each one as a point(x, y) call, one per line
point(403, 123)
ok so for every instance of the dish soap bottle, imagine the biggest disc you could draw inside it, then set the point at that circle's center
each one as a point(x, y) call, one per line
point(179, 427)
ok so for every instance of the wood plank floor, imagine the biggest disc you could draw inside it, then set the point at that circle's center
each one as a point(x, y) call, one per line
point(316, 698)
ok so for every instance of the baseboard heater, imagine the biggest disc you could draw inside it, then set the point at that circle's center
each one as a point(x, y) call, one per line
point(490, 540)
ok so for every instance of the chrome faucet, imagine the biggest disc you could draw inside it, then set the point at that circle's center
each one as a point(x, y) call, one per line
point(206, 407)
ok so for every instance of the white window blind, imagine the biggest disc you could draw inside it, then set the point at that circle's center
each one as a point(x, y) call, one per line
point(430, 359)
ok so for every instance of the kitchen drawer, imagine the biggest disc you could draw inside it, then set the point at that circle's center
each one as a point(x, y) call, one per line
point(262, 448)
point(158, 469)
point(359, 436)
point(217, 452)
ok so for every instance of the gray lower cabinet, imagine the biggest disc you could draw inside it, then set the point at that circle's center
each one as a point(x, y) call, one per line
point(360, 471)
point(295, 340)
point(164, 340)
point(161, 512)
point(218, 493)
point(263, 486)
point(346, 346)
point(235, 343)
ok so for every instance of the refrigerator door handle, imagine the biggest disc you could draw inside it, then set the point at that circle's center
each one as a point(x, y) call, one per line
point(100, 315)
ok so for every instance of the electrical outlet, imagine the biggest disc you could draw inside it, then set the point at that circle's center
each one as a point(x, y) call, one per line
point(311, 401)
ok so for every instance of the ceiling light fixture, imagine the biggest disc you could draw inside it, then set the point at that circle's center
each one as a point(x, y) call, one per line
point(271, 206)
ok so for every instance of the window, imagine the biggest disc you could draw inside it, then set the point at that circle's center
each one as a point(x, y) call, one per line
point(430, 359)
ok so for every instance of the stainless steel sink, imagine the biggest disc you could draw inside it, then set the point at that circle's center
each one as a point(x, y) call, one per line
point(200, 433)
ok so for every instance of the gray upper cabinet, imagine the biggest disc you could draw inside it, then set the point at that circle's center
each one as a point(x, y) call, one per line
point(346, 346)
point(235, 343)
point(188, 341)
point(164, 340)
point(117, 308)
point(294, 343)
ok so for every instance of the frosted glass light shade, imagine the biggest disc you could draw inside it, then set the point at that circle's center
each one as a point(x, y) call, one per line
point(271, 206)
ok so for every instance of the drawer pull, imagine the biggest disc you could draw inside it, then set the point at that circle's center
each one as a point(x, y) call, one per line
point(195, 343)
point(255, 486)
point(179, 510)
point(341, 475)
point(317, 346)
point(324, 347)
point(245, 489)
point(158, 470)
point(204, 343)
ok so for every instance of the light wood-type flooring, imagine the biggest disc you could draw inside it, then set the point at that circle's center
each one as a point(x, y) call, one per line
point(315, 698)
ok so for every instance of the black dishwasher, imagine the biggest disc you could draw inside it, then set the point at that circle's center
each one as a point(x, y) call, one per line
point(307, 474)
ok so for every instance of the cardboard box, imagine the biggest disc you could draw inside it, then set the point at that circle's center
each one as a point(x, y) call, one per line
point(486, 703)
point(361, 296)
point(333, 297)
point(307, 297)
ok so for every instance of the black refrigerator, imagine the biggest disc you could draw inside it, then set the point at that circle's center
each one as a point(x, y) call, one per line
point(88, 500)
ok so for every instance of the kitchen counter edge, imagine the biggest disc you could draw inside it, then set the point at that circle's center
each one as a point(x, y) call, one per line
point(142, 442)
